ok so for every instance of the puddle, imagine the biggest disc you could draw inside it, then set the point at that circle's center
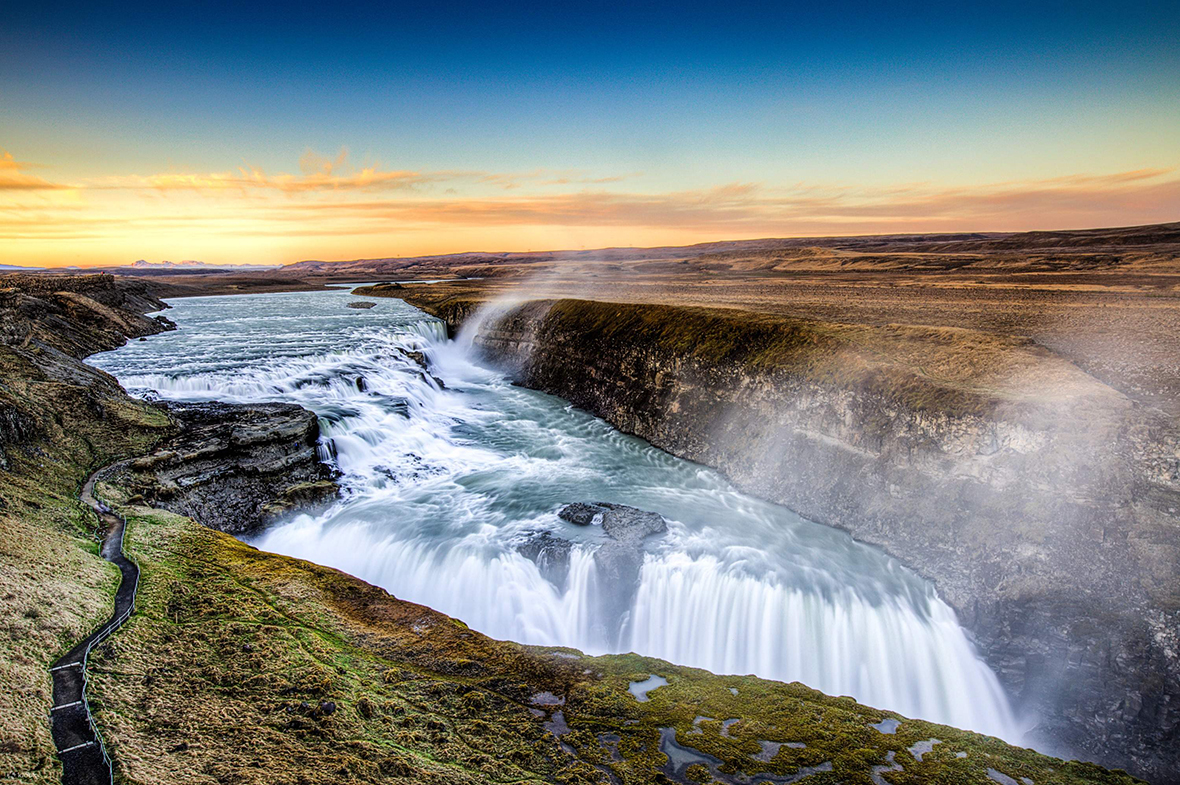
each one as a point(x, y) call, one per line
point(681, 757)
point(547, 699)
point(769, 750)
point(557, 726)
point(922, 747)
point(796, 745)
point(877, 771)
point(640, 689)
point(734, 691)
point(696, 725)
point(727, 724)
point(960, 755)
point(1004, 779)
point(610, 743)
point(887, 725)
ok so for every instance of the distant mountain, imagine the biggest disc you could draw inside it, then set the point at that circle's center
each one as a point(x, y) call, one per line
point(488, 264)
point(16, 268)
point(192, 264)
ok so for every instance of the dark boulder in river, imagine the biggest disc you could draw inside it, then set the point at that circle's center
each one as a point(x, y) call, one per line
point(550, 553)
point(619, 560)
point(363, 305)
point(628, 525)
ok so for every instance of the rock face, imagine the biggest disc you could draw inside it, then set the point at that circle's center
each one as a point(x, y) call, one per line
point(235, 467)
point(1042, 504)
point(230, 467)
point(551, 554)
point(76, 315)
point(50, 323)
point(617, 561)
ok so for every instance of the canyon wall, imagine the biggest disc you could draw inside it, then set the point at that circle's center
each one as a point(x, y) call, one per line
point(1042, 503)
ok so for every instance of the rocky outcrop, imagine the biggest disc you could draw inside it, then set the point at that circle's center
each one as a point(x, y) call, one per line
point(234, 467)
point(618, 560)
point(77, 315)
point(1042, 503)
point(47, 324)
point(231, 467)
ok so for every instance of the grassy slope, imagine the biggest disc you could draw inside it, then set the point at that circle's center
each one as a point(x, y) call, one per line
point(54, 588)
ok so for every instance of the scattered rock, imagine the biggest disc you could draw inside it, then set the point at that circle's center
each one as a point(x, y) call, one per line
point(625, 524)
point(580, 513)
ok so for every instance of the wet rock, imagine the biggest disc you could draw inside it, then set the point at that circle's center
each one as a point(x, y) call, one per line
point(417, 357)
point(363, 305)
point(235, 467)
point(619, 560)
point(629, 525)
point(625, 524)
point(551, 555)
point(580, 513)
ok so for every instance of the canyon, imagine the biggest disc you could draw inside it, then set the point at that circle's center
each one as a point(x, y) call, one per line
point(1041, 502)
point(332, 677)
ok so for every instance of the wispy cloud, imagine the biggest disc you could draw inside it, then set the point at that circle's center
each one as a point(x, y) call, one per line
point(1144, 196)
point(330, 205)
point(320, 173)
point(317, 173)
point(13, 176)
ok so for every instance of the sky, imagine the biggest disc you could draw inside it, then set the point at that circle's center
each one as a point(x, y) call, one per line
point(240, 133)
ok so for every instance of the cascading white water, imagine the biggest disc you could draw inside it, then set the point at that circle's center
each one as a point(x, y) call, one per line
point(442, 485)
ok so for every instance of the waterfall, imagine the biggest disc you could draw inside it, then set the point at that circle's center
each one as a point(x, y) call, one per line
point(443, 484)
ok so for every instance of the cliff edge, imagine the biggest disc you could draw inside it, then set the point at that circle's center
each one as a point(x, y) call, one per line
point(1040, 501)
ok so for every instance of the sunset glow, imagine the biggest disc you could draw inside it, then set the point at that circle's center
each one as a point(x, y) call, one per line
point(242, 139)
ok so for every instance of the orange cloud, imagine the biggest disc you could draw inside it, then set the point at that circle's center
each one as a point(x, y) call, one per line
point(1143, 197)
point(345, 211)
point(13, 177)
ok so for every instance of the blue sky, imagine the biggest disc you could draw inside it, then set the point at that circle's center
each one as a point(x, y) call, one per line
point(639, 100)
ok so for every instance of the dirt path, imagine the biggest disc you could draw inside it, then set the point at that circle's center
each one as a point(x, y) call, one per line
point(83, 756)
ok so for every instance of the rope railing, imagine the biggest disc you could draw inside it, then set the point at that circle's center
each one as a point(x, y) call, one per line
point(103, 633)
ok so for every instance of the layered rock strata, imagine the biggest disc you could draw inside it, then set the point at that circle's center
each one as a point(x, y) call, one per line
point(1042, 503)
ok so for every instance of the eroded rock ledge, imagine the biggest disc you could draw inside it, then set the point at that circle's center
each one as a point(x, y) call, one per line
point(234, 467)
point(1041, 502)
